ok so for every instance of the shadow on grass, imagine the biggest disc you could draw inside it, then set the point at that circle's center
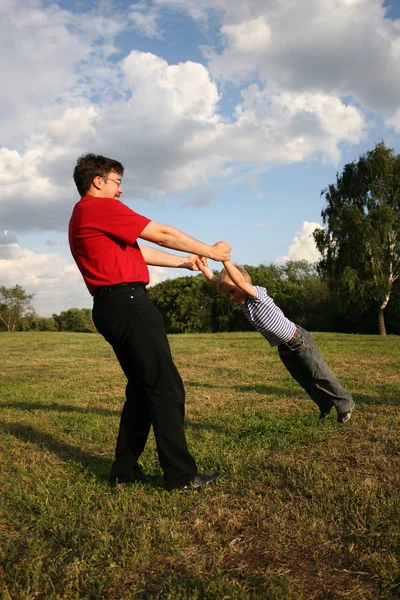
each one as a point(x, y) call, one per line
point(98, 466)
point(385, 395)
point(29, 406)
point(258, 388)
point(377, 401)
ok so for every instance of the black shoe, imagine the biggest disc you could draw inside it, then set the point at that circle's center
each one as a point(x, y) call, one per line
point(139, 477)
point(345, 416)
point(201, 480)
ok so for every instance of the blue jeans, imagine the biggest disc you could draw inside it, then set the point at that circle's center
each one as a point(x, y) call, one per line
point(304, 362)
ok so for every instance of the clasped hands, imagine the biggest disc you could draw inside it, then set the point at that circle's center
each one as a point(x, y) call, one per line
point(221, 251)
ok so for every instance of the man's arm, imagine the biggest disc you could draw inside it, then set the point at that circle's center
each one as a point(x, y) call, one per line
point(239, 280)
point(159, 258)
point(170, 237)
point(208, 274)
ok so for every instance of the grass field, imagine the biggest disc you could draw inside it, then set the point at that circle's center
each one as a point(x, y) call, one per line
point(305, 509)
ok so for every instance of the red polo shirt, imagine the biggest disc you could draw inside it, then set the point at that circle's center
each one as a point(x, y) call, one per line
point(102, 237)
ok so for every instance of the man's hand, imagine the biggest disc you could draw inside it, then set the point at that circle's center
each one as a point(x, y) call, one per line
point(221, 251)
point(191, 262)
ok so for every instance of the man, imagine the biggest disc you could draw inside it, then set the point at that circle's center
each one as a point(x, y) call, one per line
point(103, 235)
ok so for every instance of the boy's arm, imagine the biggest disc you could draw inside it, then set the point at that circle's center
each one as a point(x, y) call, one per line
point(238, 279)
point(159, 258)
point(201, 264)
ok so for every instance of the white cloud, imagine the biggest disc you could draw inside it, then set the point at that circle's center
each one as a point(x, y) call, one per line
point(172, 139)
point(279, 128)
point(249, 37)
point(322, 46)
point(69, 94)
point(320, 65)
point(56, 283)
point(394, 121)
point(303, 245)
point(52, 59)
point(183, 90)
point(145, 18)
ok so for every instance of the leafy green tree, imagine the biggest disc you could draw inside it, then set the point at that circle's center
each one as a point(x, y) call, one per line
point(360, 246)
point(32, 322)
point(75, 319)
point(192, 304)
point(15, 303)
point(302, 295)
point(185, 304)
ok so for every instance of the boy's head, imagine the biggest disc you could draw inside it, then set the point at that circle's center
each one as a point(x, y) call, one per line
point(96, 171)
point(227, 287)
point(223, 276)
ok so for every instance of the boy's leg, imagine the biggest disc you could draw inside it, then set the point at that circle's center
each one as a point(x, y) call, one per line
point(304, 362)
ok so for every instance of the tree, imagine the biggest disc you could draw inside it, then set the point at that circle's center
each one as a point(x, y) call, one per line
point(75, 319)
point(302, 295)
point(360, 246)
point(15, 303)
point(31, 322)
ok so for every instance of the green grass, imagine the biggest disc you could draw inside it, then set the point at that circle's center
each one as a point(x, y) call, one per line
point(305, 510)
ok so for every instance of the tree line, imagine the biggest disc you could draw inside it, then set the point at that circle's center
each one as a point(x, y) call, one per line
point(353, 288)
point(17, 314)
point(191, 305)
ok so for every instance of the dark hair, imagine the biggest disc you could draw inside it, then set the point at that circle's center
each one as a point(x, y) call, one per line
point(89, 166)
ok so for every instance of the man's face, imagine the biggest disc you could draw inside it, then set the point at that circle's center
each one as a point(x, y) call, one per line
point(234, 293)
point(110, 186)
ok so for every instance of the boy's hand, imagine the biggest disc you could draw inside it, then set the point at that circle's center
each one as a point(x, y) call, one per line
point(221, 251)
point(193, 261)
point(200, 262)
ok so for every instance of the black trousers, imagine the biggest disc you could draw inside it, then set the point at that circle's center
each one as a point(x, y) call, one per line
point(155, 395)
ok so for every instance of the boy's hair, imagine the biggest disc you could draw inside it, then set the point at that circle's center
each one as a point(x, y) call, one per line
point(224, 275)
point(89, 166)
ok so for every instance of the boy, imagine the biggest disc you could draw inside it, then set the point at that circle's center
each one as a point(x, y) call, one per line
point(296, 347)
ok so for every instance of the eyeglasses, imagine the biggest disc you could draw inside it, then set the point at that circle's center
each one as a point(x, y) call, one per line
point(117, 181)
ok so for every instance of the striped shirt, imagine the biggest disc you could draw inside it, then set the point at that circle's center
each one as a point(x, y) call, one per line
point(267, 318)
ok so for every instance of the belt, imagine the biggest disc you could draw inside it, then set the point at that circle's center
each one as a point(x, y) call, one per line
point(108, 289)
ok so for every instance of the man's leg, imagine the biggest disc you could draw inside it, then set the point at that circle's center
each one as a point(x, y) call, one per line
point(130, 322)
point(133, 429)
point(164, 390)
point(304, 362)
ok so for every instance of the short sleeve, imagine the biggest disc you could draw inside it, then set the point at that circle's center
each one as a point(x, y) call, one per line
point(121, 222)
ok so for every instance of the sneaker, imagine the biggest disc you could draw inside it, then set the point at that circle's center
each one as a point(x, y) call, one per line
point(345, 416)
point(201, 480)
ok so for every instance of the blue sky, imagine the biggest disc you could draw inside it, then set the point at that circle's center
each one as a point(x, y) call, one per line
point(230, 118)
